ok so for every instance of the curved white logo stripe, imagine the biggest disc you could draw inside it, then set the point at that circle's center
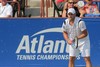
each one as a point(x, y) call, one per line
point(48, 30)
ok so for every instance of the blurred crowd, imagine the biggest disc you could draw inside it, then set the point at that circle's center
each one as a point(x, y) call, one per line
point(8, 8)
point(84, 8)
point(11, 8)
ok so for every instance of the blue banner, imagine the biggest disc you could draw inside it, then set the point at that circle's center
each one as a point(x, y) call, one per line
point(39, 42)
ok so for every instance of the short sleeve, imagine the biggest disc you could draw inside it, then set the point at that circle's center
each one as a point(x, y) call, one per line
point(82, 25)
point(9, 11)
point(64, 26)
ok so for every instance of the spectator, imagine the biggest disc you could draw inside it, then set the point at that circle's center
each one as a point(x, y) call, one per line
point(70, 4)
point(60, 4)
point(22, 7)
point(90, 8)
point(0, 2)
point(80, 4)
point(5, 9)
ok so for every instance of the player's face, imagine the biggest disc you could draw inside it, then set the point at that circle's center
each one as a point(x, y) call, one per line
point(71, 16)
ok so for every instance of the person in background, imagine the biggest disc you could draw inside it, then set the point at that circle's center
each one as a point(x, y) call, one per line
point(70, 4)
point(0, 1)
point(22, 7)
point(90, 8)
point(60, 4)
point(5, 9)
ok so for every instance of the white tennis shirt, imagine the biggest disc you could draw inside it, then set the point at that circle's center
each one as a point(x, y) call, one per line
point(76, 30)
point(5, 10)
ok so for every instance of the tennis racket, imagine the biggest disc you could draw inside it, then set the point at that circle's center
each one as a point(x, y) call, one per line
point(76, 42)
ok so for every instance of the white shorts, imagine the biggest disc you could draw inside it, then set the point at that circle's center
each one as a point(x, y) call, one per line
point(85, 51)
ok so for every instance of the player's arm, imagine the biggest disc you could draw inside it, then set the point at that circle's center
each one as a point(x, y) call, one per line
point(65, 35)
point(82, 27)
point(83, 34)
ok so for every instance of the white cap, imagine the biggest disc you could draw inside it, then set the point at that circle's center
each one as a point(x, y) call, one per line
point(71, 10)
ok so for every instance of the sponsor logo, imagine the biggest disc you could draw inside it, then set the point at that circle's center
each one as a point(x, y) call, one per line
point(45, 46)
point(42, 47)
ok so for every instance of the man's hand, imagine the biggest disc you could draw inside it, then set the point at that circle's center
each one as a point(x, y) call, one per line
point(70, 42)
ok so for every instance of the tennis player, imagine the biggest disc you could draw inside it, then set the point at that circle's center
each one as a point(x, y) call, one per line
point(74, 27)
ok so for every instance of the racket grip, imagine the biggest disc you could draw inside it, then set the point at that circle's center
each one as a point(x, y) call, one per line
point(76, 42)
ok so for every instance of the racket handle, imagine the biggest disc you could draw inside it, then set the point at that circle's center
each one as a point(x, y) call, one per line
point(76, 42)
